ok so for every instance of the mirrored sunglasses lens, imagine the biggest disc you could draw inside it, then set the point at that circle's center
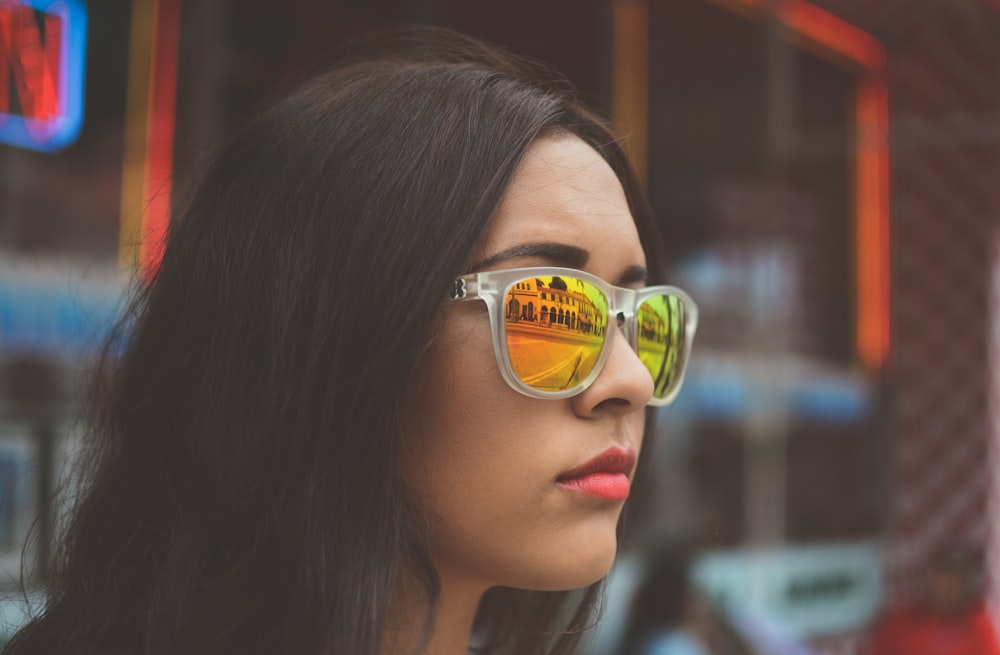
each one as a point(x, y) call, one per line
point(661, 325)
point(556, 326)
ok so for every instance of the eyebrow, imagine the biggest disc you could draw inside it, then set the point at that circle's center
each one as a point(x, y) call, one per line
point(634, 275)
point(560, 254)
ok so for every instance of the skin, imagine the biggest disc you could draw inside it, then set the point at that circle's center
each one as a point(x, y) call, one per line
point(484, 458)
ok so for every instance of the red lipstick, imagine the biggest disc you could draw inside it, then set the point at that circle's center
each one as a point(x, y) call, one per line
point(604, 477)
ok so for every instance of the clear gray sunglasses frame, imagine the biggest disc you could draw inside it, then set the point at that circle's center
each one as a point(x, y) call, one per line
point(492, 287)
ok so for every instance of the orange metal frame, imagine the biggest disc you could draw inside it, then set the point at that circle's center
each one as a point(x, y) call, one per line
point(147, 171)
point(849, 47)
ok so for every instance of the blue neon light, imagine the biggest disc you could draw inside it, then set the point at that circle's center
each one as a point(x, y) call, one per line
point(53, 134)
point(51, 318)
point(731, 396)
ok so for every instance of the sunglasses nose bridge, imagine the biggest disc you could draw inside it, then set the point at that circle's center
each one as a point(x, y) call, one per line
point(623, 310)
point(623, 301)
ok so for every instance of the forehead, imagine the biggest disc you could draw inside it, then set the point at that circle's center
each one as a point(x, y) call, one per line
point(564, 192)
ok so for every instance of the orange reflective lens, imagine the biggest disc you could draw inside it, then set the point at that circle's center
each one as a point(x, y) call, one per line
point(660, 326)
point(556, 327)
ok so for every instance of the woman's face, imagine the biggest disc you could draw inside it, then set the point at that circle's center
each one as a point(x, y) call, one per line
point(490, 463)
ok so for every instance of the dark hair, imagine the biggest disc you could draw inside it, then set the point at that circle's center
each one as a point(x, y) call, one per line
point(244, 494)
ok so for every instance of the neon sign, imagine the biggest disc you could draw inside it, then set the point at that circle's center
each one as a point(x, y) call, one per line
point(42, 52)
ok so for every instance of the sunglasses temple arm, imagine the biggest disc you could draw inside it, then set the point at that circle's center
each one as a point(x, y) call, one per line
point(465, 288)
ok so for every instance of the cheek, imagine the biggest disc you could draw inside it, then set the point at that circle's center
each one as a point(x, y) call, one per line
point(453, 450)
point(456, 392)
point(483, 459)
point(454, 400)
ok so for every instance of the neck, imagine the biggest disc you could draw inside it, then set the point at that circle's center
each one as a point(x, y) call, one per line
point(450, 625)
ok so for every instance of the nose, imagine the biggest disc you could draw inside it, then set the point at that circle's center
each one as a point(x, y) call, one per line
point(623, 386)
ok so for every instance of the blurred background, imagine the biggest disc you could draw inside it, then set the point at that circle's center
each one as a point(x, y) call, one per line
point(827, 175)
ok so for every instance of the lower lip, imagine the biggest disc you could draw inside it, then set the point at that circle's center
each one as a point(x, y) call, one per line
point(606, 486)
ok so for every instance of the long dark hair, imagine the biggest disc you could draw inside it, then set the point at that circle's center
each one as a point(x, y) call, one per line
point(244, 494)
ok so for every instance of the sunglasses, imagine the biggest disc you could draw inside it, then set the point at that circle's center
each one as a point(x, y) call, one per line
point(550, 328)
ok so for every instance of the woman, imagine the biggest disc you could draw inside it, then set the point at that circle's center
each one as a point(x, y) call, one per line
point(326, 433)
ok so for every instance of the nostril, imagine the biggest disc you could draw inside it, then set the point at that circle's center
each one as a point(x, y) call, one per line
point(620, 317)
point(612, 405)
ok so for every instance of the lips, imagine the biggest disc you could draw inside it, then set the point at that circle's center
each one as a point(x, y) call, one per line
point(605, 477)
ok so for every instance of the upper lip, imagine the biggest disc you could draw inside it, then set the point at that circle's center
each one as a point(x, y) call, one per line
point(613, 460)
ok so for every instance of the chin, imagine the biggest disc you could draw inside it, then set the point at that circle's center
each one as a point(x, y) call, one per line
point(593, 570)
point(572, 568)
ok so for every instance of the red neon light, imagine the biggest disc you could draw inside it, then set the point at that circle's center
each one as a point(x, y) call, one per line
point(161, 120)
point(35, 62)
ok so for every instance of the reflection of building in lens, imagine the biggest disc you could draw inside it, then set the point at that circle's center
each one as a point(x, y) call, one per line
point(553, 304)
point(555, 329)
point(662, 323)
point(654, 329)
point(653, 325)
